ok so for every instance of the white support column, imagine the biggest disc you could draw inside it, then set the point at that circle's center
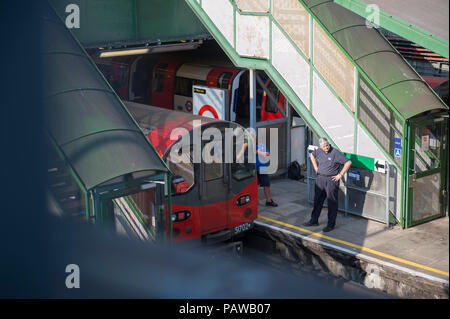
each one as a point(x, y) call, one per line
point(252, 94)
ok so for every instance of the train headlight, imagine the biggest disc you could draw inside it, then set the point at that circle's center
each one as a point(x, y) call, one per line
point(181, 216)
point(244, 199)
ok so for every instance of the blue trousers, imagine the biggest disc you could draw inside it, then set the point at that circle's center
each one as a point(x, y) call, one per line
point(325, 188)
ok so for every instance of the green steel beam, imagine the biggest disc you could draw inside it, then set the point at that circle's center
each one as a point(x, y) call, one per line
point(399, 26)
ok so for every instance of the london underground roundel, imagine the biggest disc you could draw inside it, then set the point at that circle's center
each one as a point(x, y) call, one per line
point(206, 109)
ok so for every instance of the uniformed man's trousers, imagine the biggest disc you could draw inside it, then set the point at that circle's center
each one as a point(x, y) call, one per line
point(325, 188)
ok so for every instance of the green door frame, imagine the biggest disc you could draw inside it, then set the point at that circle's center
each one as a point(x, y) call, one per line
point(101, 196)
point(412, 124)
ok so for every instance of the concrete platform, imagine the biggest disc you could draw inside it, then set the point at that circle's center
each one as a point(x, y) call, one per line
point(411, 263)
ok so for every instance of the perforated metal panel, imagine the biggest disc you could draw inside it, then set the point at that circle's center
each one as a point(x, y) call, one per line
point(221, 13)
point(374, 115)
point(252, 36)
point(294, 19)
point(379, 119)
point(290, 65)
point(334, 66)
point(367, 147)
point(253, 5)
point(332, 116)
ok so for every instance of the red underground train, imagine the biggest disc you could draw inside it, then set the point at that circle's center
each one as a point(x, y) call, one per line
point(213, 198)
point(169, 84)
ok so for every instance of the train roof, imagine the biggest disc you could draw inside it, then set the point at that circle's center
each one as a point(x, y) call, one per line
point(194, 71)
point(159, 123)
point(85, 119)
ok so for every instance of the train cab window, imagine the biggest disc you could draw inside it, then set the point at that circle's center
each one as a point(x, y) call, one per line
point(224, 80)
point(158, 84)
point(181, 164)
point(242, 167)
point(270, 106)
point(213, 163)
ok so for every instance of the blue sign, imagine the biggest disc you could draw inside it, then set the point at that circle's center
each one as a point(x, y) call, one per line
point(398, 147)
point(354, 175)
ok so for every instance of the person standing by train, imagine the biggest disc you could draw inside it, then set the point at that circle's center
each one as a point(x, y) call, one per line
point(262, 162)
point(327, 162)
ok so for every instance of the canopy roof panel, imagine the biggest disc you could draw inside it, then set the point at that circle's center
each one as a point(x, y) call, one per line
point(423, 22)
point(101, 157)
point(85, 117)
point(377, 58)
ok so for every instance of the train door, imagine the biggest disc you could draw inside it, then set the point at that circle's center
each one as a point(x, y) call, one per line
point(162, 88)
point(241, 99)
point(223, 78)
point(140, 78)
point(269, 109)
point(214, 179)
point(427, 169)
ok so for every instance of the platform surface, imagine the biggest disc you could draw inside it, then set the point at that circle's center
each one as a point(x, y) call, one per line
point(421, 251)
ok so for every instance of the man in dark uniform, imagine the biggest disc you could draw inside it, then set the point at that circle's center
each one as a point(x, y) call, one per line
point(327, 162)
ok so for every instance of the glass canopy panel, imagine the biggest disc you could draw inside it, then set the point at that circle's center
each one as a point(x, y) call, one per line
point(56, 39)
point(65, 72)
point(78, 113)
point(412, 97)
point(386, 68)
point(311, 3)
point(334, 17)
point(103, 156)
point(361, 41)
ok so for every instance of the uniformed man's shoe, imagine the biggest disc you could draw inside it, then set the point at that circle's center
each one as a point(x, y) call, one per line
point(311, 223)
point(327, 229)
point(271, 203)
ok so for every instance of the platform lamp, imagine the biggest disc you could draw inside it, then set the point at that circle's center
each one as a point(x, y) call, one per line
point(159, 48)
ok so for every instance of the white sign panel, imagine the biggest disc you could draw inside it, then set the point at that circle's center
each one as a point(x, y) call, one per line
point(209, 101)
point(379, 166)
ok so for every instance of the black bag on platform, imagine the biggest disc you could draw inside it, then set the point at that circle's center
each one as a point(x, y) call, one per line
point(295, 171)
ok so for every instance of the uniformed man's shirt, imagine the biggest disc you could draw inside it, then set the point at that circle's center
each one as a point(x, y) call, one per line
point(329, 163)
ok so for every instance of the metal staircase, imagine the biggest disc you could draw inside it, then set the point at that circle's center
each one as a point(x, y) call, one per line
point(342, 76)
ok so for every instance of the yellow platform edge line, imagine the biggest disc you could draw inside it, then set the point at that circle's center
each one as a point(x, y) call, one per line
point(375, 252)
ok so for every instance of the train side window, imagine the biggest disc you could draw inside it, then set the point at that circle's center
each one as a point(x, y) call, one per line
point(183, 86)
point(270, 106)
point(182, 167)
point(224, 80)
point(213, 163)
point(160, 71)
